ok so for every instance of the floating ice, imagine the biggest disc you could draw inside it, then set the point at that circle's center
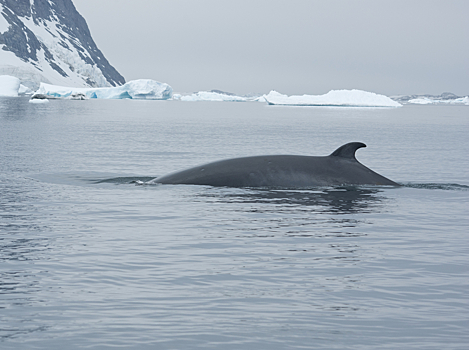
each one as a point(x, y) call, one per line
point(210, 96)
point(344, 98)
point(143, 89)
point(9, 86)
point(45, 100)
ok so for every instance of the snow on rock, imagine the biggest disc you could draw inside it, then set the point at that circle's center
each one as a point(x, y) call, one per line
point(143, 89)
point(9, 86)
point(344, 98)
point(49, 41)
point(210, 96)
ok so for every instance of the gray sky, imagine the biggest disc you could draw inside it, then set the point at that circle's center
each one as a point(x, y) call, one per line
point(294, 47)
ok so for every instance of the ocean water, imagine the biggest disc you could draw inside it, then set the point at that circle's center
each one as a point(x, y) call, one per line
point(89, 259)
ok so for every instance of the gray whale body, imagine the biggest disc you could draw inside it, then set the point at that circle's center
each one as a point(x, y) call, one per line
point(339, 168)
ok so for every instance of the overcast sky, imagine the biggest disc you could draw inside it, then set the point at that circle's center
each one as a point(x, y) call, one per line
point(294, 47)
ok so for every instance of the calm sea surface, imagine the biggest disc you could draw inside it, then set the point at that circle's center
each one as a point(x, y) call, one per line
point(89, 259)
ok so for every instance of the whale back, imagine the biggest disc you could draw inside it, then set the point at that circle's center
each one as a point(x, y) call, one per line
point(340, 167)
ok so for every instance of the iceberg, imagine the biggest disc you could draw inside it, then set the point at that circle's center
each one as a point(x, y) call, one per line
point(142, 89)
point(210, 96)
point(342, 98)
point(445, 97)
point(428, 101)
point(464, 100)
point(260, 99)
point(9, 86)
point(420, 101)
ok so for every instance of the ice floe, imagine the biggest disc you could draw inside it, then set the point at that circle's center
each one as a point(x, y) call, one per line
point(343, 98)
point(39, 101)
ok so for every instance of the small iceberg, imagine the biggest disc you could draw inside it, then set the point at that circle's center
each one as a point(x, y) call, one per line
point(9, 86)
point(39, 101)
point(142, 89)
point(336, 98)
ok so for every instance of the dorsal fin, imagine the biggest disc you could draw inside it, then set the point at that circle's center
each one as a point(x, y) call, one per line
point(348, 150)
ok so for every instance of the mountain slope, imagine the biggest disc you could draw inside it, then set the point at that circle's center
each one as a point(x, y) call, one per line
point(49, 41)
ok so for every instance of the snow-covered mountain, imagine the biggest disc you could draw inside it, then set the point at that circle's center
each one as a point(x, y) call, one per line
point(49, 41)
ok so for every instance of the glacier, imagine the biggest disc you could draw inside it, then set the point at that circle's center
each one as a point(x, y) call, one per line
point(9, 86)
point(335, 98)
point(142, 89)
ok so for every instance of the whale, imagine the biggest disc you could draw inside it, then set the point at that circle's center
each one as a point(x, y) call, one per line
point(287, 171)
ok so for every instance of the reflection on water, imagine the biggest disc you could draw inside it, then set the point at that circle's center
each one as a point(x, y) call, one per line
point(320, 213)
point(340, 200)
point(268, 212)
